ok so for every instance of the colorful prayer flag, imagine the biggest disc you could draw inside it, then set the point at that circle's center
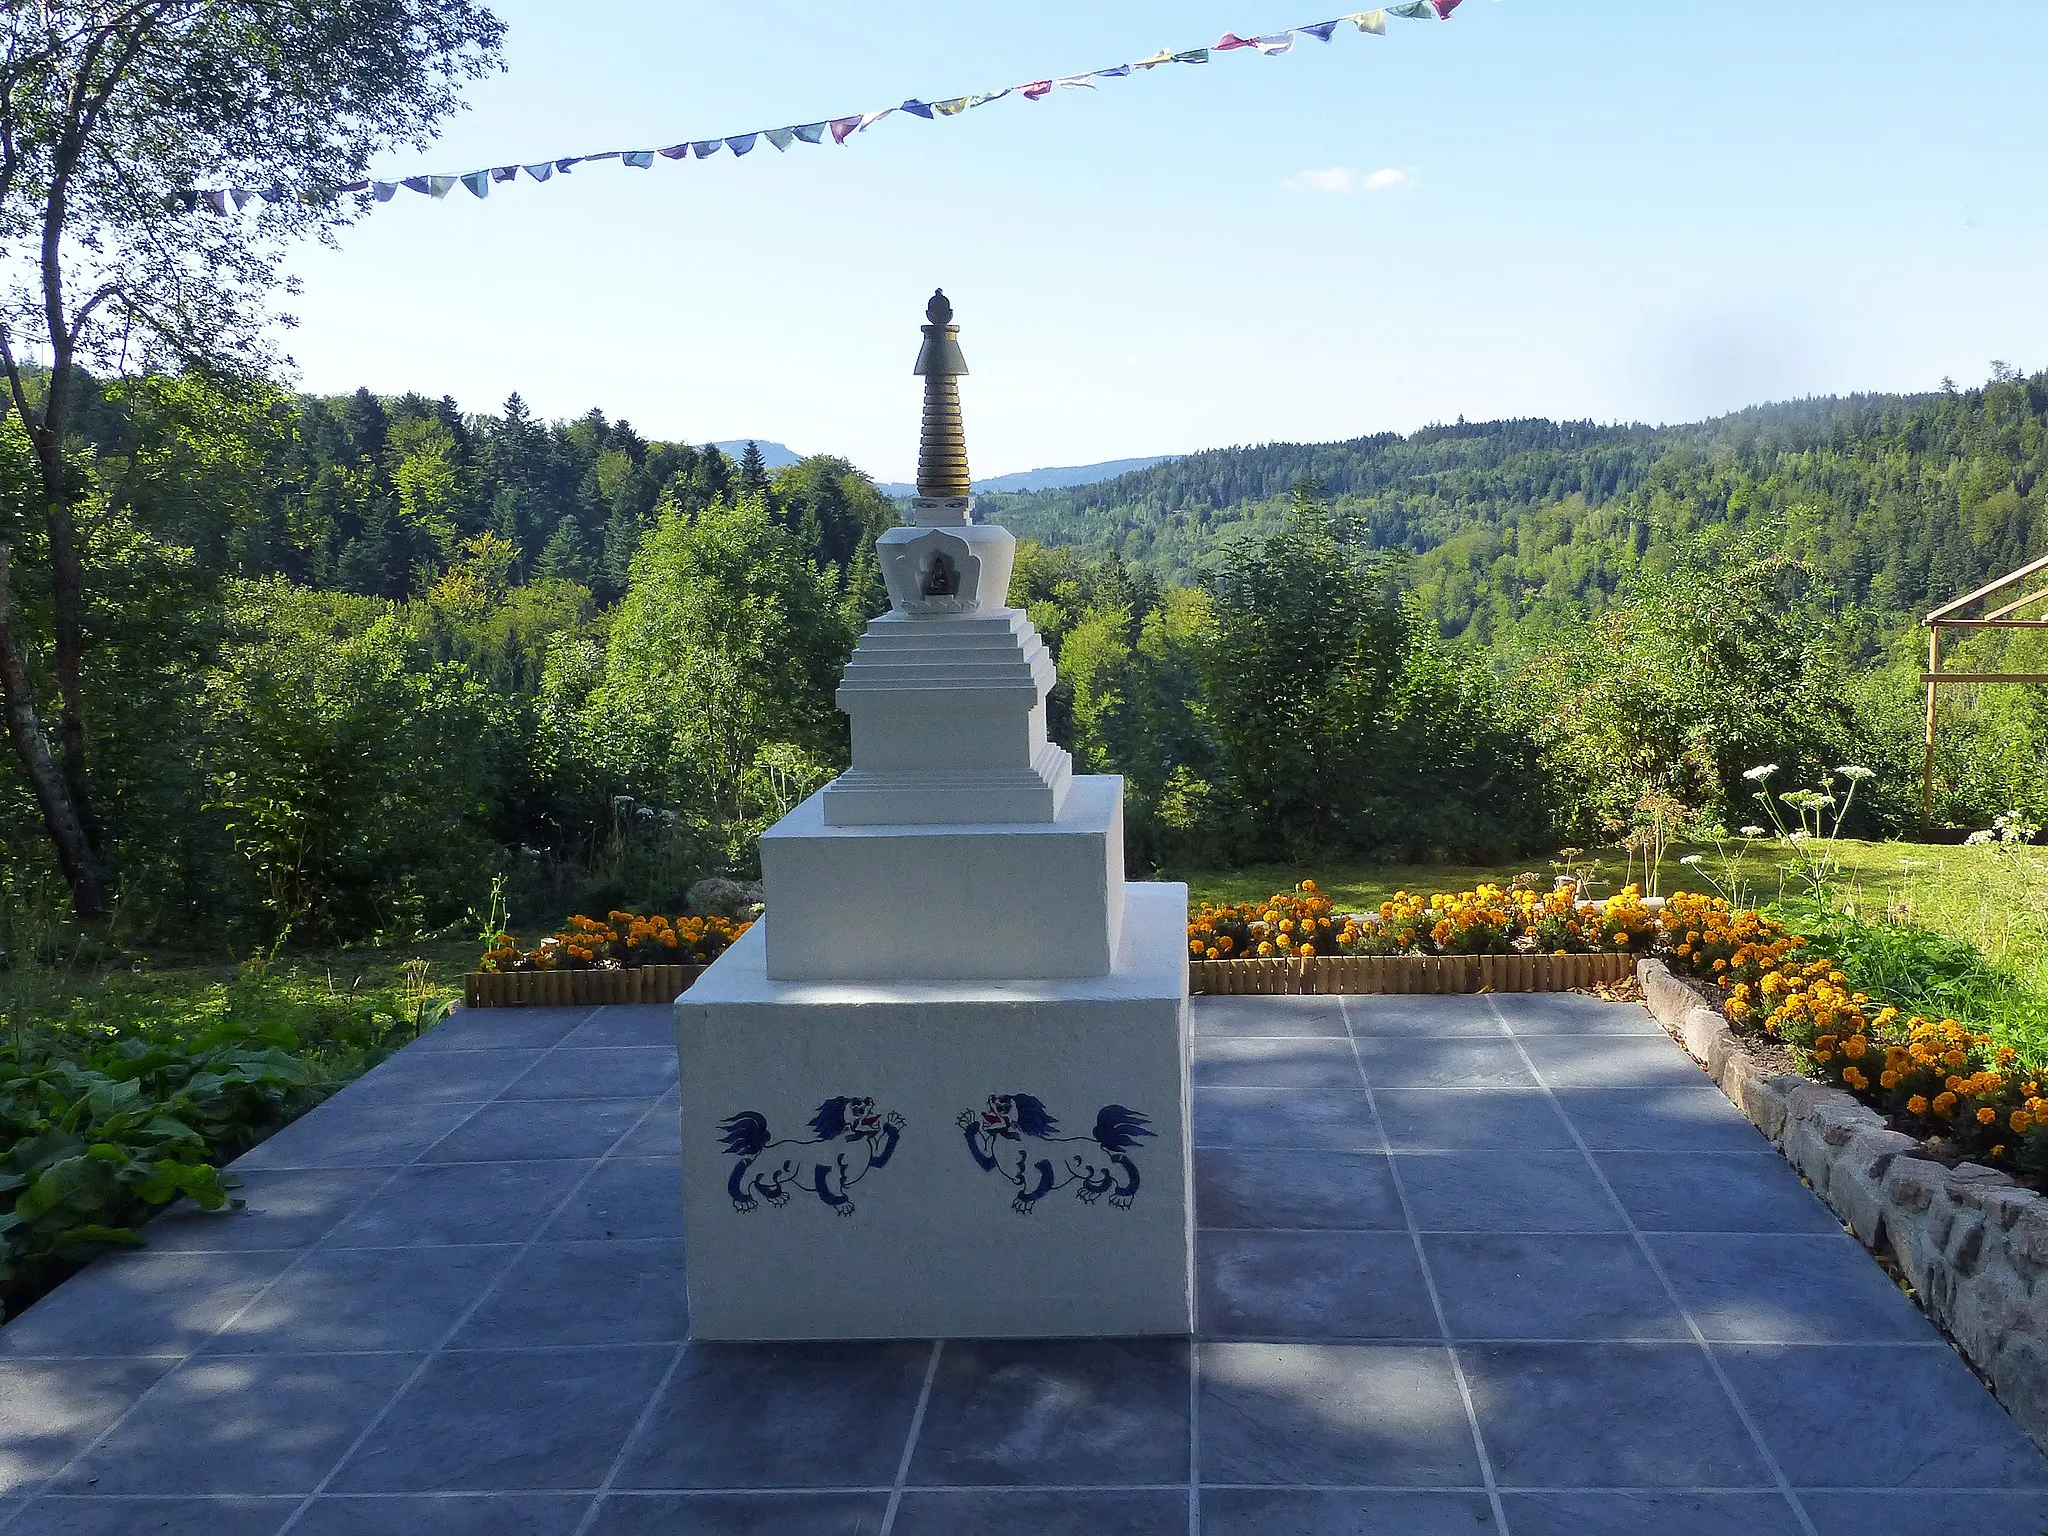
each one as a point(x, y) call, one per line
point(1274, 45)
point(504, 173)
point(440, 186)
point(478, 182)
point(1445, 7)
point(415, 183)
point(1192, 56)
point(1075, 82)
point(1117, 73)
point(1374, 22)
point(706, 148)
point(869, 119)
point(1231, 40)
point(841, 127)
point(542, 171)
point(811, 133)
point(1320, 31)
point(1037, 90)
point(740, 143)
point(917, 109)
point(781, 138)
point(383, 191)
point(1163, 56)
point(1415, 10)
point(242, 196)
point(639, 159)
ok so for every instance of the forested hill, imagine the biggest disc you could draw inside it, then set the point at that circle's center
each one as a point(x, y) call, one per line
point(1897, 499)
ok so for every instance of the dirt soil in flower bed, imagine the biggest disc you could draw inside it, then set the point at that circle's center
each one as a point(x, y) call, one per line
point(1777, 1058)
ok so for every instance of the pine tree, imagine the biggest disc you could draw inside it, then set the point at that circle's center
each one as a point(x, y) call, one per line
point(566, 556)
point(753, 472)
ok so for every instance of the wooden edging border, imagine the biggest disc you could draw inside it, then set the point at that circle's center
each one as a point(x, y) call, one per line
point(1327, 974)
point(540, 989)
point(1972, 1243)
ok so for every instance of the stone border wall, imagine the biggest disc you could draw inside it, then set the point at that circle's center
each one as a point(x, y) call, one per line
point(1371, 974)
point(1972, 1243)
point(541, 989)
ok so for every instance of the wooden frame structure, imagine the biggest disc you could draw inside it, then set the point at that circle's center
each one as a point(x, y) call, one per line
point(2006, 617)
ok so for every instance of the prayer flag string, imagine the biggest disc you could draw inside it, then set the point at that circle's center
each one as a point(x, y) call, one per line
point(479, 182)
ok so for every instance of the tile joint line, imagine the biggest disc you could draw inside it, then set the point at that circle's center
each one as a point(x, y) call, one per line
point(924, 1399)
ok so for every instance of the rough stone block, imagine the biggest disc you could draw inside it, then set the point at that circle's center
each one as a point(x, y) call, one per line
point(1912, 1183)
point(1975, 1187)
point(2020, 1377)
point(1700, 1028)
point(1667, 996)
point(1985, 1313)
point(1842, 1120)
point(1804, 1099)
point(2007, 1208)
point(1805, 1150)
point(1917, 1243)
point(2028, 1240)
point(1966, 1244)
point(1856, 1183)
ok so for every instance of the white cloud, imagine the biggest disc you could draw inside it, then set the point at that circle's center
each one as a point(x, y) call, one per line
point(1342, 179)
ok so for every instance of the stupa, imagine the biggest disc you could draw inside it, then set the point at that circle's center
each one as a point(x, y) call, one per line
point(941, 1089)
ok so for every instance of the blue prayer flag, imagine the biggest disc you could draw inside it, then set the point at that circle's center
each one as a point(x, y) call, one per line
point(811, 133)
point(542, 171)
point(917, 109)
point(706, 148)
point(383, 191)
point(1320, 31)
point(504, 173)
point(416, 183)
point(478, 182)
point(740, 143)
point(639, 159)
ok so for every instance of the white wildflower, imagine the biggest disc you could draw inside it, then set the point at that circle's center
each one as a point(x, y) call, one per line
point(1758, 774)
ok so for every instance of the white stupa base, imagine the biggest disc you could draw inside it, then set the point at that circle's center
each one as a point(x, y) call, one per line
point(942, 901)
point(906, 1233)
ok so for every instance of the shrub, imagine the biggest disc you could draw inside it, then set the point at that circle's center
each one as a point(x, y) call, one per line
point(621, 941)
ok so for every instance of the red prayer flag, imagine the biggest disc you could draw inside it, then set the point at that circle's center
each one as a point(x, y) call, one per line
point(1445, 7)
point(842, 126)
point(1232, 40)
point(1035, 90)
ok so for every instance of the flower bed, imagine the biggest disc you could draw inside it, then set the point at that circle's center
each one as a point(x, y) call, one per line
point(626, 958)
point(1934, 1079)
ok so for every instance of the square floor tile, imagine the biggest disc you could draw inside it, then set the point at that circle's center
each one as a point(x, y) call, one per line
point(1402, 1062)
point(1574, 1013)
point(1268, 1016)
point(585, 1293)
point(280, 1208)
point(1613, 1061)
point(743, 1514)
point(1254, 1061)
point(1061, 1411)
point(1434, 1018)
point(443, 1514)
point(1373, 1414)
point(608, 1072)
point(414, 1077)
point(358, 1133)
point(1608, 1415)
point(539, 1130)
point(1714, 1192)
point(1682, 1117)
point(52, 1410)
point(1306, 1119)
point(364, 1299)
point(660, 1134)
point(781, 1416)
point(1504, 1191)
point(492, 1422)
point(498, 1029)
point(1330, 1512)
point(1153, 1512)
point(1660, 1513)
point(1353, 1191)
point(646, 1024)
point(1782, 1289)
point(461, 1203)
point(1911, 1512)
point(627, 1197)
point(72, 1515)
point(142, 1303)
point(1454, 1119)
point(1917, 1413)
point(253, 1424)
point(1312, 1285)
point(1553, 1285)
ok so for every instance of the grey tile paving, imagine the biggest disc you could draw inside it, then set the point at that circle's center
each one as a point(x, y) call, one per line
point(1333, 1512)
point(1082, 1512)
point(1580, 1285)
point(1778, 1288)
point(1432, 1018)
point(1422, 1062)
point(460, 1514)
point(491, 1421)
point(1240, 1187)
point(781, 1416)
point(1250, 1061)
point(1330, 1120)
point(1312, 1285)
point(1639, 1513)
point(1499, 1190)
point(1386, 1414)
point(1609, 1415)
point(201, 1430)
point(461, 1203)
point(1918, 1415)
point(1067, 1412)
point(71, 1516)
point(742, 1514)
point(454, 1304)
point(1268, 1016)
point(1714, 1192)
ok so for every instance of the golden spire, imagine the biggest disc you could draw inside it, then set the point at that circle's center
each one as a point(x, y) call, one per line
point(942, 444)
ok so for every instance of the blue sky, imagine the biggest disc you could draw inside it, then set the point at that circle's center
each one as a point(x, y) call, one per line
point(1654, 210)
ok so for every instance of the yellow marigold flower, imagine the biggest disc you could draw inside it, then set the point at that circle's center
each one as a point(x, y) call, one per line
point(1194, 946)
point(1210, 955)
point(1855, 1079)
point(1944, 1104)
point(1888, 1079)
point(1917, 1105)
point(1854, 1047)
point(1987, 1116)
point(1265, 948)
point(2021, 1122)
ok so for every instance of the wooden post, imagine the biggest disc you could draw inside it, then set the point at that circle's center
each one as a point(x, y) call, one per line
point(1927, 766)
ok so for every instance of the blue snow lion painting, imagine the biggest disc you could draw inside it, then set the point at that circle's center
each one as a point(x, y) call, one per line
point(1014, 1136)
point(848, 1138)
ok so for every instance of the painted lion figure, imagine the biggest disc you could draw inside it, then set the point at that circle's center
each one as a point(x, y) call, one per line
point(849, 1137)
point(1013, 1135)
